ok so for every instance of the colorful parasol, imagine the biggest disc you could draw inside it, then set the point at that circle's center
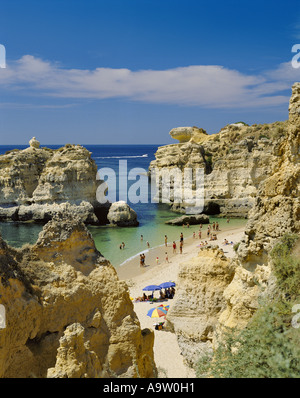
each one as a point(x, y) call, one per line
point(158, 311)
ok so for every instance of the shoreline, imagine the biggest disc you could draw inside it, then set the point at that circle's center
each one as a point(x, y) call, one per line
point(167, 353)
point(130, 268)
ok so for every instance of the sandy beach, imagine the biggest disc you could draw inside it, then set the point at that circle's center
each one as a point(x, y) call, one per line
point(168, 358)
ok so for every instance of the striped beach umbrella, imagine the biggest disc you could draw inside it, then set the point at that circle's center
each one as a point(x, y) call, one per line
point(158, 311)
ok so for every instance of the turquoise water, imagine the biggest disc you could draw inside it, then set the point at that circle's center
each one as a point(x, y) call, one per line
point(151, 216)
point(108, 240)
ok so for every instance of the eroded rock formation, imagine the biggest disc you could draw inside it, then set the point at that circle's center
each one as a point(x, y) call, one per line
point(277, 206)
point(235, 162)
point(199, 301)
point(218, 293)
point(121, 215)
point(37, 183)
point(67, 313)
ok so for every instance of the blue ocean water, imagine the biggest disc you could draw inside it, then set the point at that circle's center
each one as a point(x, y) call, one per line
point(151, 216)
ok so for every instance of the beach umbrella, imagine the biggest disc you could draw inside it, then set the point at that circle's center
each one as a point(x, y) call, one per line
point(158, 311)
point(166, 285)
point(151, 288)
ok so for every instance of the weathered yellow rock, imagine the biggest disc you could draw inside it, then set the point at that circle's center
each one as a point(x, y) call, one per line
point(67, 313)
point(235, 161)
point(199, 301)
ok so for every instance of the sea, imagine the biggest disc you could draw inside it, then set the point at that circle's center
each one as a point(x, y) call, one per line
point(151, 216)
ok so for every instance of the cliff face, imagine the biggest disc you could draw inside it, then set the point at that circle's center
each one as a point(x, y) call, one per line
point(67, 314)
point(235, 162)
point(212, 292)
point(219, 292)
point(199, 301)
point(277, 206)
point(36, 183)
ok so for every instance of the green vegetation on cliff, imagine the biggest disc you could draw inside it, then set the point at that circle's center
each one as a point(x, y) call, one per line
point(269, 346)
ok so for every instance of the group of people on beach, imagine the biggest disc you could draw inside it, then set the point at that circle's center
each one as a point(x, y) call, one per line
point(174, 245)
point(167, 294)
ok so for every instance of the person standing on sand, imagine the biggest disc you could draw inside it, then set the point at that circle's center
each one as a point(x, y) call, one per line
point(208, 231)
point(180, 247)
point(141, 260)
point(166, 240)
point(181, 237)
point(217, 226)
point(174, 247)
point(194, 235)
point(157, 260)
point(167, 258)
point(199, 234)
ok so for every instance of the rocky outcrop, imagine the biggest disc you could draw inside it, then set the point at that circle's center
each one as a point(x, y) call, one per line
point(191, 220)
point(235, 161)
point(199, 301)
point(218, 293)
point(277, 206)
point(185, 134)
point(121, 215)
point(67, 313)
point(37, 183)
point(213, 293)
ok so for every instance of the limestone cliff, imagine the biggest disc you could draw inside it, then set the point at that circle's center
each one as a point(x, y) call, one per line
point(277, 206)
point(235, 162)
point(213, 292)
point(67, 313)
point(37, 183)
point(199, 301)
point(219, 292)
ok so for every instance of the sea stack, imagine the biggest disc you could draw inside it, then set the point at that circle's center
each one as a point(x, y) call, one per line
point(38, 182)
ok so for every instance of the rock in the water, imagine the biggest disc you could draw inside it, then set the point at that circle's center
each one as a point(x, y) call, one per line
point(36, 183)
point(121, 215)
point(189, 219)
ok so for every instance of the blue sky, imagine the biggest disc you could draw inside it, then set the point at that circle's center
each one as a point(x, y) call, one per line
point(128, 71)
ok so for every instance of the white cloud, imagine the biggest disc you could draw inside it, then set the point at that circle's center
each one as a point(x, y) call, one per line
point(210, 86)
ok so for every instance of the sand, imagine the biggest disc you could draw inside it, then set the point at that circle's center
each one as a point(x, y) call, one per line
point(167, 355)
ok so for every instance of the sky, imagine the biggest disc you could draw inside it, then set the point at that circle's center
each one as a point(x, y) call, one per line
point(129, 71)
